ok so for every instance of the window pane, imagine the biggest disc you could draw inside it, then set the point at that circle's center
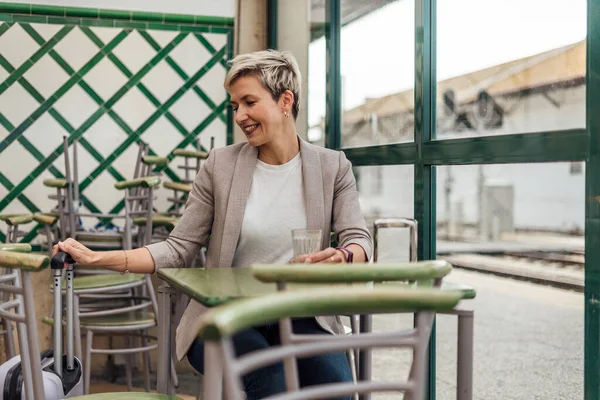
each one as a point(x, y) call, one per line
point(512, 67)
point(519, 221)
point(377, 66)
point(387, 192)
point(317, 74)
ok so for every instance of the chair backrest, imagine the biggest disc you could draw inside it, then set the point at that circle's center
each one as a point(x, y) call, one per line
point(218, 326)
point(434, 270)
point(138, 204)
point(409, 223)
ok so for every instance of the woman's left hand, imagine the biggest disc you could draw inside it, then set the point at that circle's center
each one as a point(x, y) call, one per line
point(329, 255)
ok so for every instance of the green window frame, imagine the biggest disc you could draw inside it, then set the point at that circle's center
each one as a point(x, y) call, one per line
point(425, 154)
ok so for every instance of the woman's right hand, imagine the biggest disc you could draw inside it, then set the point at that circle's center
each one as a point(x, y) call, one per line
point(81, 254)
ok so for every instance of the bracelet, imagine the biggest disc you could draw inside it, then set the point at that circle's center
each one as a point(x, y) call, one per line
point(126, 270)
point(349, 254)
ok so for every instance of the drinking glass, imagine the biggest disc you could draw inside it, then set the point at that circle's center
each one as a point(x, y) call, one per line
point(305, 241)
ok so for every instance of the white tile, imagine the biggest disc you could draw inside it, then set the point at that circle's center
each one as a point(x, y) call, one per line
point(105, 135)
point(102, 192)
point(105, 78)
point(190, 110)
point(163, 38)
point(86, 163)
point(46, 76)
point(16, 162)
point(3, 133)
point(38, 193)
point(134, 108)
point(190, 55)
point(162, 137)
point(216, 128)
point(162, 81)
point(134, 52)
point(16, 104)
point(76, 106)
point(17, 46)
point(125, 163)
point(46, 134)
point(218, 40)
point(3, 75)
point(47, 31)
point(212, 84)
point(76, 49)
point(105, 34)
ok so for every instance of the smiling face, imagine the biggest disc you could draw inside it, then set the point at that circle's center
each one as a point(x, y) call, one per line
point(260, 117)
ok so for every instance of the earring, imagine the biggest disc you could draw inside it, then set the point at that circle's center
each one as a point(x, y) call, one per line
point(286, 114)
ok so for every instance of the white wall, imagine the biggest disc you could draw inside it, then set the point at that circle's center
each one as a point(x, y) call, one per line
point(223, 8)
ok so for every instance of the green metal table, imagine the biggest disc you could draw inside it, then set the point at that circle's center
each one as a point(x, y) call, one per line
point(214, 286)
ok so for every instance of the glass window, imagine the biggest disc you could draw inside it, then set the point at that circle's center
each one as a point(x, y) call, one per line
point(511, 67)
point(377, 68)
point(387, 192)
point(520, 222)
point(317, 74)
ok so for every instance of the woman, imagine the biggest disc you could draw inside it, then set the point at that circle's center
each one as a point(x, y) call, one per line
point(247, 198)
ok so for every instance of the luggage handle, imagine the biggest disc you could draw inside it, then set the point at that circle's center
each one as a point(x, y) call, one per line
point(57, 264)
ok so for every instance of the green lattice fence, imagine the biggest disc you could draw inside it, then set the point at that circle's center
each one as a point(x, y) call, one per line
point(111, 79)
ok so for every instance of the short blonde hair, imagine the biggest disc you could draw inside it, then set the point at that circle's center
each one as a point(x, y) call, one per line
point(278, 71)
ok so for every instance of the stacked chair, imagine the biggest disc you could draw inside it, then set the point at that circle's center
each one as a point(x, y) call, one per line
point(108, 303)
point(17, 281)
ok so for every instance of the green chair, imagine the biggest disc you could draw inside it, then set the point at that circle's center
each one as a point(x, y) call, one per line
point(192, 161)
point(428, 273)
point(218, 326)
point(13, 221)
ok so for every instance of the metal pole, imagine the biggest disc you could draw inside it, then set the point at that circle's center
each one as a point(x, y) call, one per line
point(70, 309)
point(464, 364)
point(365, 359)
point(164, 339)
point(34, 349)
point(57, 273)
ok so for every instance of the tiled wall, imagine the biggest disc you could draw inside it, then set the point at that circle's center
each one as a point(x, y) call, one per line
point(110, 78)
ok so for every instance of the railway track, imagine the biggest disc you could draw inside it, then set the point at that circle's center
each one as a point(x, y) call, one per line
point(560, 269)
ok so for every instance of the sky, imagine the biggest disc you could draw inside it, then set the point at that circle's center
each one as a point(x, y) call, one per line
point(378, 50)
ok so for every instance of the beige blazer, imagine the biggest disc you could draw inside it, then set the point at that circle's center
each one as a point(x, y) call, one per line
point(215, 211)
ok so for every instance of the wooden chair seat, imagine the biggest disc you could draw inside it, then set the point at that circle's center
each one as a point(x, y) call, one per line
point(55, 183)
point(182, 187)
point(16, 247)
point(45, 218)
point(16, 219)
point(125, 319)
point(102, 236)
point(202, 155)
point(104, 281)
point(127, 396)
point(155, 160)
point(158, 220)
point(118, 320)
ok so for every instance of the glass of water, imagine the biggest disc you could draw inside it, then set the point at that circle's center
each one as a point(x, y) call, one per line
point(305, 241)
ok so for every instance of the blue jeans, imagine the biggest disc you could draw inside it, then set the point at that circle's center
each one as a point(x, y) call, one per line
point(267, 381)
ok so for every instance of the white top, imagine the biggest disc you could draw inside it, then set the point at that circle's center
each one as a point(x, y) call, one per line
point(275, 206)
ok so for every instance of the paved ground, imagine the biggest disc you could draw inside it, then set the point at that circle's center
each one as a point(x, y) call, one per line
point(528, 343)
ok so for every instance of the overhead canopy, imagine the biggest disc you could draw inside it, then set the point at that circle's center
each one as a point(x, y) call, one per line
point(351, 11)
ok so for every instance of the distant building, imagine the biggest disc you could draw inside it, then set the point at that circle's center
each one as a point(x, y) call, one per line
point(544, 92)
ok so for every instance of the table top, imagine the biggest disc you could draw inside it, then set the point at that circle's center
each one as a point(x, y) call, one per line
point(214, 286)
